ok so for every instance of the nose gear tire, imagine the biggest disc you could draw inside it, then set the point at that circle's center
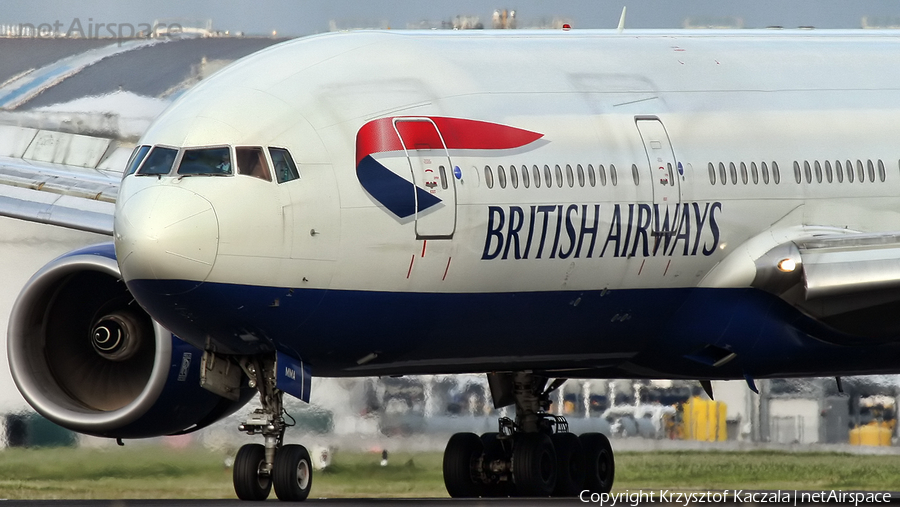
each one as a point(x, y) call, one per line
point(249, 484)
point(293, 473)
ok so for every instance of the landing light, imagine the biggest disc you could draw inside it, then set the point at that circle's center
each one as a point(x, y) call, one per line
point(787, 265)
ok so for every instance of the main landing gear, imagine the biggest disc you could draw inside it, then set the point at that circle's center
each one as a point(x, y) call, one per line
point(258, 467)
point(535, 455)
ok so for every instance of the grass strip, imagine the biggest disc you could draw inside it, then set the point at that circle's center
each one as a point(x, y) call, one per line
point(147, 472)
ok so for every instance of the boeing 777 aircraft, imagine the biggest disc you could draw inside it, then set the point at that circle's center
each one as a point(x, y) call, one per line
point(535, 206)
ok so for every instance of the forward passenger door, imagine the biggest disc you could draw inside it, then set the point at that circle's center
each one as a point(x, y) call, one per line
point(429, 162)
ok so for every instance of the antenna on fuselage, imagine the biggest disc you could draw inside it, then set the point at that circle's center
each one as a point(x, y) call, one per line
point(622, 20)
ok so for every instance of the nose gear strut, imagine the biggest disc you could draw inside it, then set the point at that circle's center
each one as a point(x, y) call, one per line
point(259, 467)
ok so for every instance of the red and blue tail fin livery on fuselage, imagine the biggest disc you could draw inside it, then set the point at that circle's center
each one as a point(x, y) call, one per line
point(435, 136)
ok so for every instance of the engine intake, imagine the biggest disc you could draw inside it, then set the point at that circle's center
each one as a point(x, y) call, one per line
point(86, 356)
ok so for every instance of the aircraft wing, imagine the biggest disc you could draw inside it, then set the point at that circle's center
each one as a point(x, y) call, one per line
point(849, 264)
point(846, 279)
point(831, 265)
point(56, 194)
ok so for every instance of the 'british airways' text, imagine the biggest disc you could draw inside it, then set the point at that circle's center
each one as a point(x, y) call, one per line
point(572, 230)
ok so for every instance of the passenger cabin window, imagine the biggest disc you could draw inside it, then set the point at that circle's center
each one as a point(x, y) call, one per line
point(537, 176)
point(285, 170)
point(488, 176)
point(252, 162)
point(137, 156)
point(159, 162)
point(206, 161)
point(526, 179)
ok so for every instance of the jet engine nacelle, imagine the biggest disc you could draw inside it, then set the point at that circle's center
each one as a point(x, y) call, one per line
point(87, 357)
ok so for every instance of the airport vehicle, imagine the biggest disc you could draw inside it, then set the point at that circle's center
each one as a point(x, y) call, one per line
point(535, 206)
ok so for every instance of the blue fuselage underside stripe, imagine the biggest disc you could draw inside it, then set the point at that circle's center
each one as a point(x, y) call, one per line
point(635, 332)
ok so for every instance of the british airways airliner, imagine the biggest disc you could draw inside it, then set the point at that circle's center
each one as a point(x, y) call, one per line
point(535, 206)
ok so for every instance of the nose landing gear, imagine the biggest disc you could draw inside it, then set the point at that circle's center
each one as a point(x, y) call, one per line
point(535, 455)
point(257, 468)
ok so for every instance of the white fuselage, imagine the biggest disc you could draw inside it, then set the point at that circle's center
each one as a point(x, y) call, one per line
point(731, 113)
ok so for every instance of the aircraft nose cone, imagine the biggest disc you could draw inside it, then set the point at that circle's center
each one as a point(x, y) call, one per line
point(166, 233)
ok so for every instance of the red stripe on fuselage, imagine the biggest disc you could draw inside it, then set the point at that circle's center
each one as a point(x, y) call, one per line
point(379, 135)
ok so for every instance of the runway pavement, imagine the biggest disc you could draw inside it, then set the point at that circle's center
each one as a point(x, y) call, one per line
point(330, 502)
point(699, 498)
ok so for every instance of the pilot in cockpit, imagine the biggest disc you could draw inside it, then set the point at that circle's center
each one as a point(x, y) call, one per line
point(224, 166)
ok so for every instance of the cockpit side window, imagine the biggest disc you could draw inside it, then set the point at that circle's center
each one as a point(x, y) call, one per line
point(285, 170)
point(206, 161)
point(137, 156)
point(251, 161)
point(158, 162)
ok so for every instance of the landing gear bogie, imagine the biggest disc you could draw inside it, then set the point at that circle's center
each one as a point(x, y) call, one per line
point(535, 455)
point(527, 464)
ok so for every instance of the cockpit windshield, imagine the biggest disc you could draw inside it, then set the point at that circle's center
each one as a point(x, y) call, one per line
point(136, 158)
point(285, 170)
point(252, 161)
point(159, 161)
point(207, 161)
